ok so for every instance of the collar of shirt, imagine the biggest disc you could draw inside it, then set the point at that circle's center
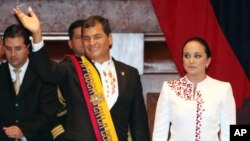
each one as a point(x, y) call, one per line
point(21, 75)
point(104, 64)
point(3, 61)
point(199, 83)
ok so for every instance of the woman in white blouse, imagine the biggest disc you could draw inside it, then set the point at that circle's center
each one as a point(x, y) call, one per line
point(196, 107)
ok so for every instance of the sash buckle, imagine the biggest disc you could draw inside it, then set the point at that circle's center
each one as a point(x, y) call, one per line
point(96, 99)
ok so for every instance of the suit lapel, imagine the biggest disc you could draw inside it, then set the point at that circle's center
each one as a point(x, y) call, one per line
point(121, 77)
point(28, 80)
point(6, 79)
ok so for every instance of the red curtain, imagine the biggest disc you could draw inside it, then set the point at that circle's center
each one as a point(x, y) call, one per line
point(182, 19)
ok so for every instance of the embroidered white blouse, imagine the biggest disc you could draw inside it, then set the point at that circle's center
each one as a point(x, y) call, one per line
point(194, 116)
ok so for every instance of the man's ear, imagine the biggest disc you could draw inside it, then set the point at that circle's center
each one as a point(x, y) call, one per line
point(70, 44)
point(110, 39)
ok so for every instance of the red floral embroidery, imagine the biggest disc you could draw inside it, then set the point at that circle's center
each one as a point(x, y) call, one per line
point(183, 89)
point(199, 113)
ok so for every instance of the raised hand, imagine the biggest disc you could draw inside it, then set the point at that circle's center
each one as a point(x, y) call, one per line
point(31, 22)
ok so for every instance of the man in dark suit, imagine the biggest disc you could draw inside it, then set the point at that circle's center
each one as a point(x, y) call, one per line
point(75, 44)
point(75, 37)
point(28, 110)
point(123, 97)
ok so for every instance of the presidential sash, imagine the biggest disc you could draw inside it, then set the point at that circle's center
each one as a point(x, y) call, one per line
point(94, 97)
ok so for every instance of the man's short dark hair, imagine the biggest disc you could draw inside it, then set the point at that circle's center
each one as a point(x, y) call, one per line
point(92, 20)
point(73, 26)
point(16, 30)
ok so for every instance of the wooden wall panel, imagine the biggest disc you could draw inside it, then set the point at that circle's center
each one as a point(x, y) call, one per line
point(157, 58)
point(152, 99)
point(57, 49)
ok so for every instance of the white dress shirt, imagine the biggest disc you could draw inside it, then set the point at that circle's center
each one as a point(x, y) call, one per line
point(21, 74)
point(110, 91)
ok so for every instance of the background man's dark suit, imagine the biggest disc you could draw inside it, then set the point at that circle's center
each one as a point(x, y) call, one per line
point(33, 110)
point(129, 105)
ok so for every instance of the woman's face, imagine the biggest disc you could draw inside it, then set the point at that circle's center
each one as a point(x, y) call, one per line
point(195, 59)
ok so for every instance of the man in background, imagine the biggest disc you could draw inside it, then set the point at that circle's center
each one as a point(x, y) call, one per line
point(28, 105)
point(75, 44)
point(75, 38)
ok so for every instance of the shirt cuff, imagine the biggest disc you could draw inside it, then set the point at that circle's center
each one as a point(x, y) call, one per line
point(37, 46)
point(23, 139)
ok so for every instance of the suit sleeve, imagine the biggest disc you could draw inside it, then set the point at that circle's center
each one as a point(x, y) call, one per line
point(138, 117)
point(46, 117)
point(48, 70)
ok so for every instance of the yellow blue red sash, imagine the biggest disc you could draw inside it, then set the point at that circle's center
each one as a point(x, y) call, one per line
point(94, 96)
